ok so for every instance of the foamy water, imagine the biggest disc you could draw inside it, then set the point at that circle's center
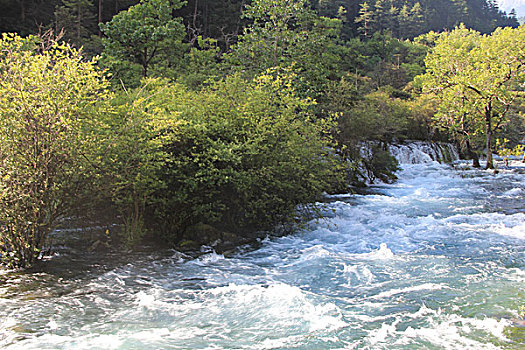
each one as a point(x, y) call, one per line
point(435, 261)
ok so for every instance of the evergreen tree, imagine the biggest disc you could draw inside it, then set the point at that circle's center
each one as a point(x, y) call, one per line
point(366, 20)
point(417, 20)
point(404, 22)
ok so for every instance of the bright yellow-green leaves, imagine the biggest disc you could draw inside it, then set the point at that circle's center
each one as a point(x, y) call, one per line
point(240, 155)
point(48, 109)
point(476, 79)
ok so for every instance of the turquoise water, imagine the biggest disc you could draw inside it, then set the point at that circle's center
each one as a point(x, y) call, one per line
point(435, 261)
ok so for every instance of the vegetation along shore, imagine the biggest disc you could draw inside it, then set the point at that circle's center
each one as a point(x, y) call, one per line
point(188, 122)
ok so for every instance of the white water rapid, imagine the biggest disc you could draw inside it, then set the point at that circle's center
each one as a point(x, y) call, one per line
point(434, 261)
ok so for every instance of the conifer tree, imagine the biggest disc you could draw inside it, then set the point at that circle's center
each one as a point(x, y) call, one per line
point(365, 20)
point(403, 20)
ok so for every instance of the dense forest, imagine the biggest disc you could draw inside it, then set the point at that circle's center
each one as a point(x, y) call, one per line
point(221, 19)
point(203, 120)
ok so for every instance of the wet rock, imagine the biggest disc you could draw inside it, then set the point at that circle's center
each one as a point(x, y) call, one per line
point(188, 245)
point(202, 233)
point(99, 246)
point(230, 237)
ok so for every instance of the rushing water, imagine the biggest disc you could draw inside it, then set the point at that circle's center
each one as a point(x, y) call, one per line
point(435, 261)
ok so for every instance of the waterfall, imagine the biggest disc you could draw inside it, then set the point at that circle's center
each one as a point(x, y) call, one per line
point(418, 152)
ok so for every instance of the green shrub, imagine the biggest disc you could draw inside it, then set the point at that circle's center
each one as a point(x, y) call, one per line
point(49, 116)
point(241, 156)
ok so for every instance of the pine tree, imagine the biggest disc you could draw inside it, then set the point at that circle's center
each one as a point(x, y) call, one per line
point(417, 20)
point(391, 22)
point(403, 19)
point(380, 15)
point(365, 19)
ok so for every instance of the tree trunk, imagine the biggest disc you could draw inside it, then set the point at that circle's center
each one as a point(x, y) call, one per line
point(195, 14)
point(475, 160)
point(488, 132)
point(22, 10)
point(238, 26)
point(100, 8)
point(490, 162)
point(472, 155)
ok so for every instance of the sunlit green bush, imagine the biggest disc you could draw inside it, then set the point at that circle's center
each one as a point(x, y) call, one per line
point(49, 110)
point(240, 155)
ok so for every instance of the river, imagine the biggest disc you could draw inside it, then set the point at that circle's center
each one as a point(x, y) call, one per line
point(434, 261)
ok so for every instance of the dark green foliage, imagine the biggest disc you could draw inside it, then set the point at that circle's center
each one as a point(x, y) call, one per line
point(77, 20)
point(286, 33)
point(34, 16)
point(380, 164)
point(146, 35)
point(221, 19)
point(216, 19)
point(410, 18)
point(246, 155)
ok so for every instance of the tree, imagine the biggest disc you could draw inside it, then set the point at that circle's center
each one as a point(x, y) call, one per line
point(416, 19)
point(454, 111)
point(145, 35)
point(49, 115)
point(404, 19)
point(476, 78)
point(287, 33)
point(365, 19)
point(77, 19)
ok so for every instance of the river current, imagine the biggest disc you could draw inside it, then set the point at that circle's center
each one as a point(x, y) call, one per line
point(434, 261)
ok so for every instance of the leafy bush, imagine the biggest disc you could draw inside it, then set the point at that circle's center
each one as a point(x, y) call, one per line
point(239, 155)
point(48, 108)
point(131, 158)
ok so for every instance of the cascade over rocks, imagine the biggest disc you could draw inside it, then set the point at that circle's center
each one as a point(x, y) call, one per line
point(418, 152)
point(374, 164)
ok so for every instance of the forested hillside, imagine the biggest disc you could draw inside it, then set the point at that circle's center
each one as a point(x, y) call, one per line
point(221, 19)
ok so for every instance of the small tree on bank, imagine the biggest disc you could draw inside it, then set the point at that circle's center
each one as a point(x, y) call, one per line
point(477, 79)
point(47, 109)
